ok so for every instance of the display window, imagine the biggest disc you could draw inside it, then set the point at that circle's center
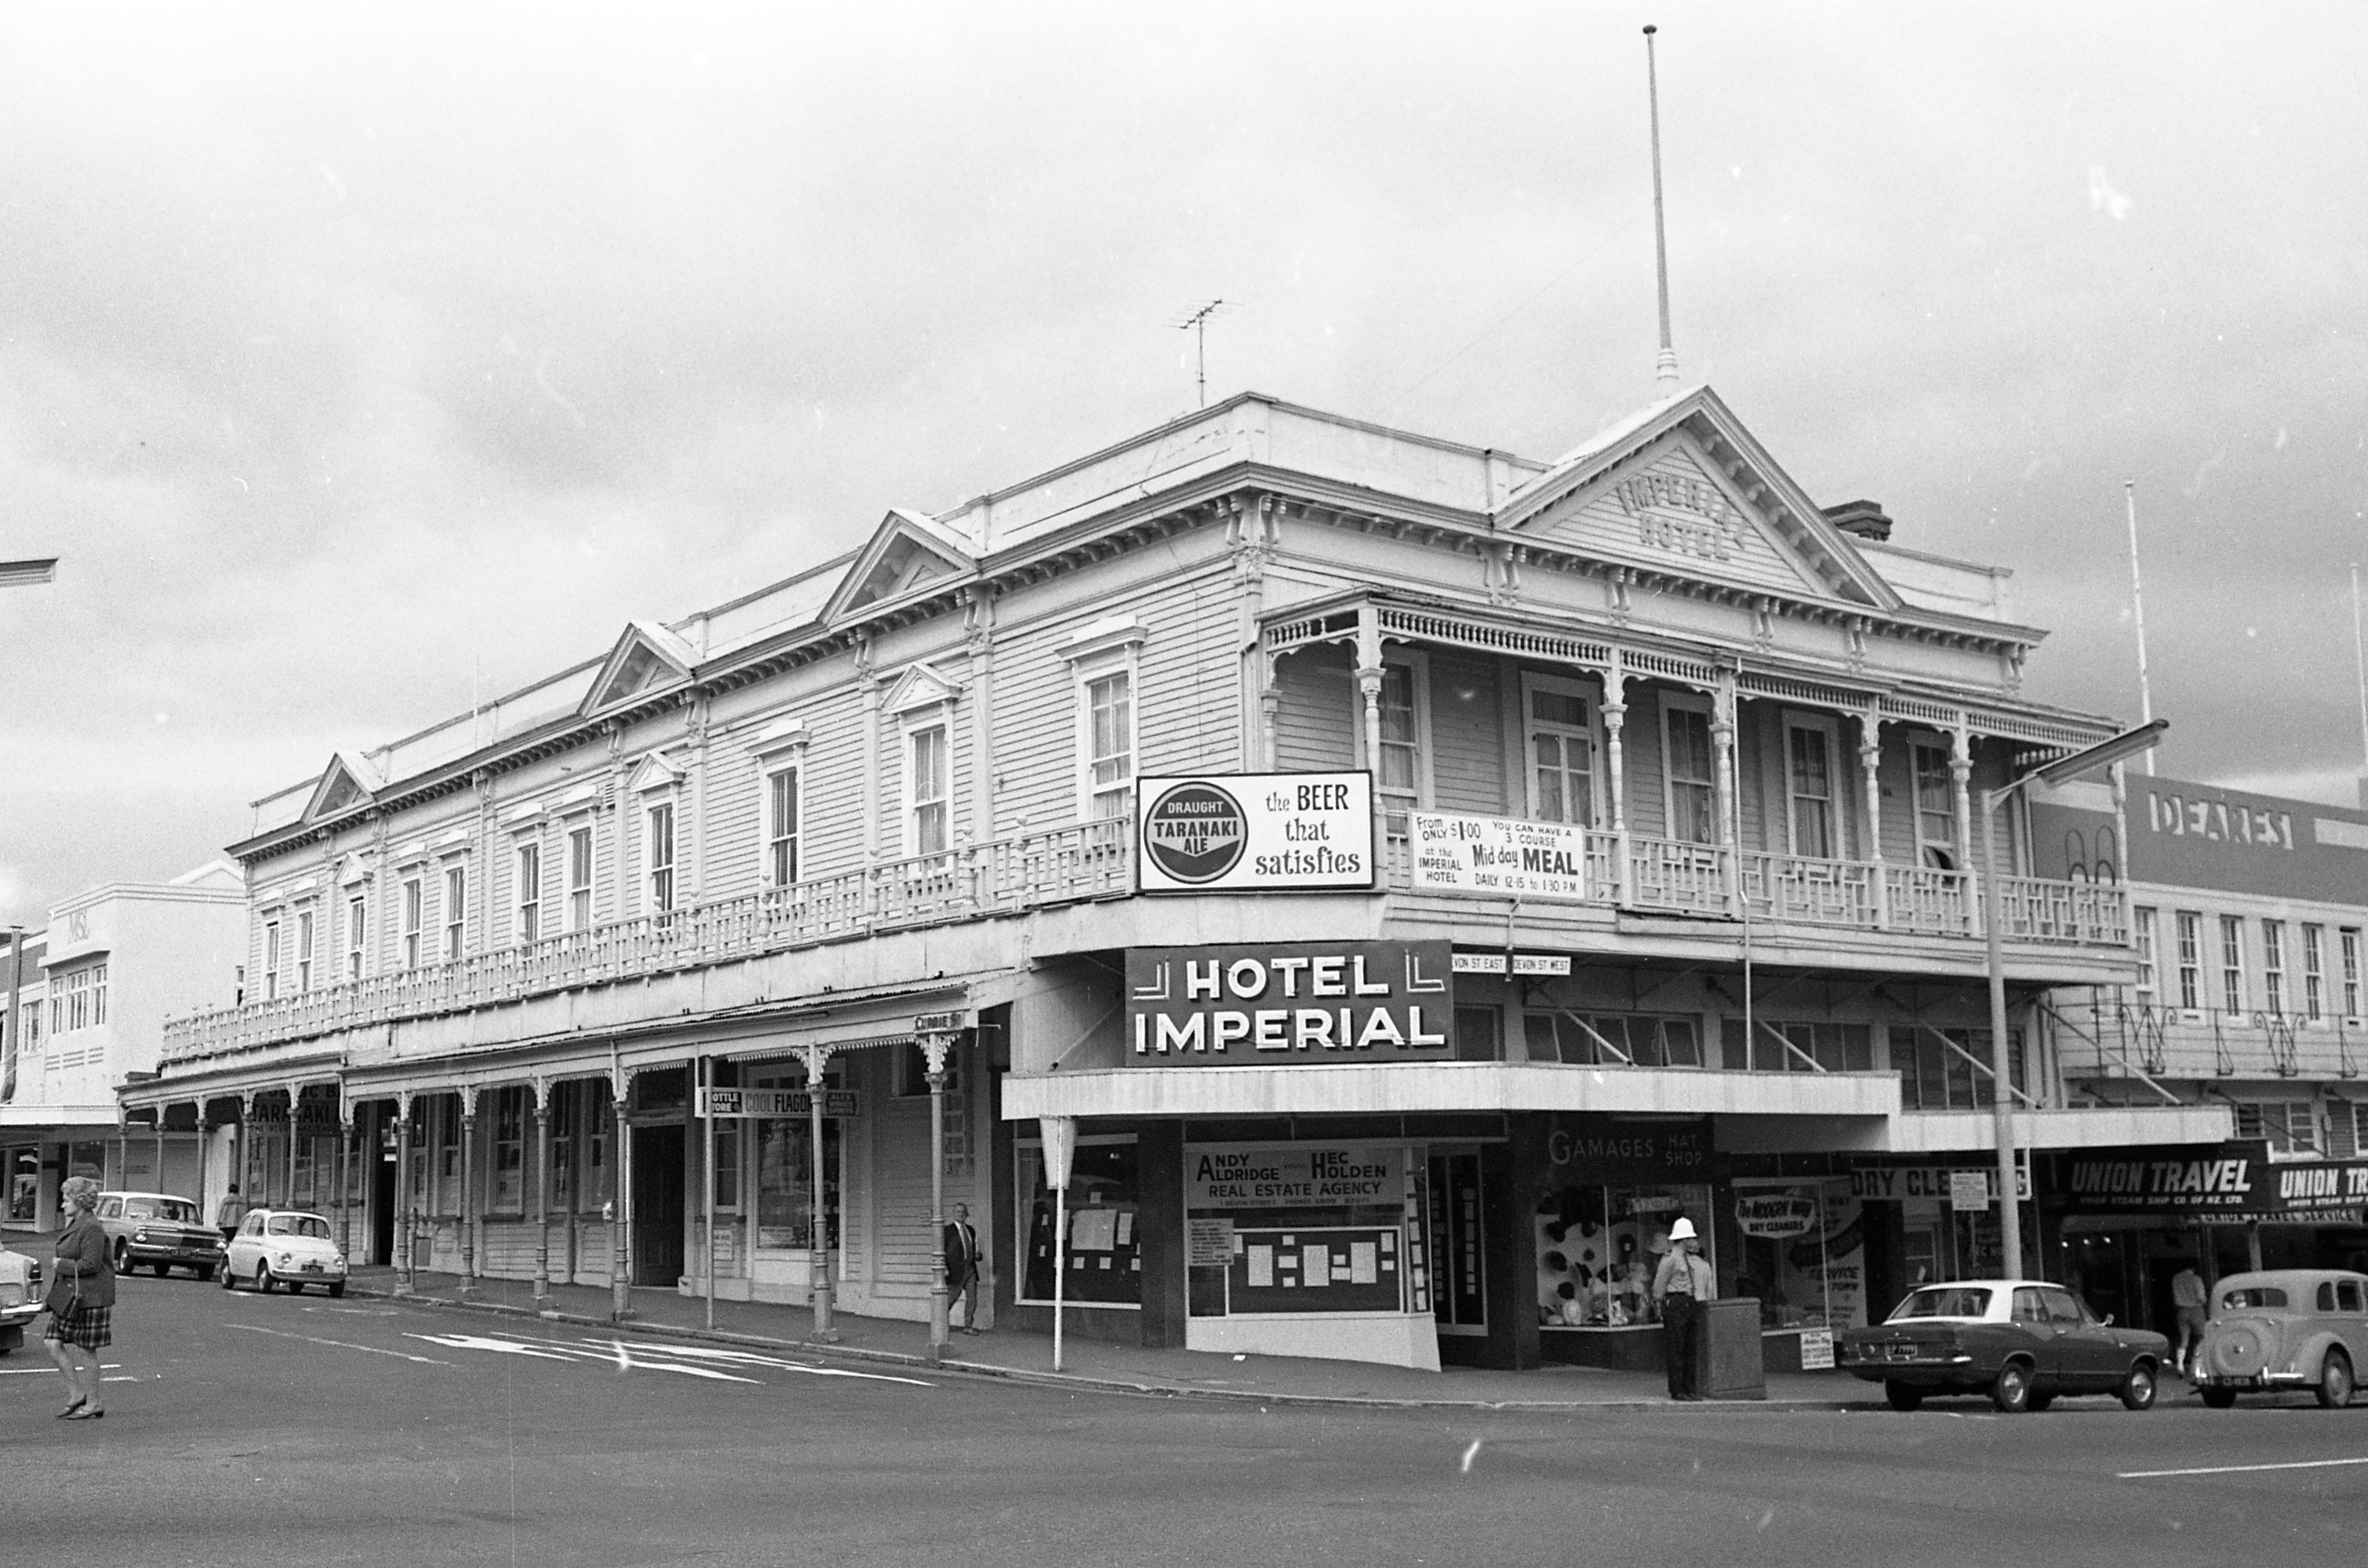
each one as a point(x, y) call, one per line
point(1105, 1262)
point(24, 1195)
point(1302, 1228)
point(1802, 1252)
point(785, 1182)
point(1598, 1247)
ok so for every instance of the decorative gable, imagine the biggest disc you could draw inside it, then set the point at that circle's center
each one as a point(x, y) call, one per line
point(907, 553)
point(347, 782)
point(656, 771)
point(647, 658)
point(1685, 491)
point(920, 689)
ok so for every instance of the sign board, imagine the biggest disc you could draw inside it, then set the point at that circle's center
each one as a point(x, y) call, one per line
point(1593, 1146)
point(1254, 832)
point(1969, 1190)
point(1302, 1175)
point(1896, 1184)
point(1775, 1215)
point(778, 1102)
point(1289, 1004)
point(941, 1023)
point(2219, 1181)
point(1817, 1349)
point(1498, 856)
point(1208, 1243)
point(1515, 963)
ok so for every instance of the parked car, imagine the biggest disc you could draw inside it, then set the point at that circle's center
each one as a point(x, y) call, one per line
point(2285, 1328)
point(160, 1232)
point(20, 1297)
point(2025, 1343)
point(286, 1249)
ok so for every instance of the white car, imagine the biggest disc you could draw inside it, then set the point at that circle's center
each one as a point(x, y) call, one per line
point(285, 1247)
point(20, 1297)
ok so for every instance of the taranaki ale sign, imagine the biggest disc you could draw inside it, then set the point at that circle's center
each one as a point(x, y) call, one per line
point(1257, 832)
point(1289, 1004)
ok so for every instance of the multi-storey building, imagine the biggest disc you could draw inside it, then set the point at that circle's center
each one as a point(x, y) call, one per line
point(2247, 915)
point(1624, 873)
point(93, 992)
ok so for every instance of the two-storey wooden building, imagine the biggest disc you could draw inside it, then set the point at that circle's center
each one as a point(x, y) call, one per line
point(890, 804)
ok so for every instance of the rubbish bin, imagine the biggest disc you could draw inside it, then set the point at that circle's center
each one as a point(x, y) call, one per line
point(1728, 1343)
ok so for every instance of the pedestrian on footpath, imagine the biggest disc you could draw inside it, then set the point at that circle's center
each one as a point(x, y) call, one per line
point(81, 1301)
point(1680, 1285)
point(961, 1267)
point(229, 1213)
point(2188, 1295)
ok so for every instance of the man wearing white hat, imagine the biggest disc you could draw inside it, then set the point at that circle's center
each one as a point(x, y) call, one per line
point(1681, 1283)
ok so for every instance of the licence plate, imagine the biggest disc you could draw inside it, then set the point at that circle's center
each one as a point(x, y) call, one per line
point(311, 1269)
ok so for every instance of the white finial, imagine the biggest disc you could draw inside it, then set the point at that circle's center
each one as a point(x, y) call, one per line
point(1665, 367)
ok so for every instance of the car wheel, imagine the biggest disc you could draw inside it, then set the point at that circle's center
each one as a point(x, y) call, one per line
point(2220, 1399)
point(2040, 1402)
point(263, 1280)
point(2334, 1381)
point(2011, 1392)
point(337, 1290)
point(123, 1257)
point(230, 1277)
point(2138, 1388)
point(1903, 1397)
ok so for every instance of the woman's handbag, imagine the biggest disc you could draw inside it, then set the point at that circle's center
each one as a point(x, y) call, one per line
point(65, 1295)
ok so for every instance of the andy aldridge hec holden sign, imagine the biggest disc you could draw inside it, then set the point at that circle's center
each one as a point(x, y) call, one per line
point(1267, 1006)
point(1263, 832)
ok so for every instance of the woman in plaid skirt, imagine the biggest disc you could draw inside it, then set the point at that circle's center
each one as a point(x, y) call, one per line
point(81, 1300)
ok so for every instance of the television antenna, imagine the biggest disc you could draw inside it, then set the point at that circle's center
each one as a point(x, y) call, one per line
point(1196, 322)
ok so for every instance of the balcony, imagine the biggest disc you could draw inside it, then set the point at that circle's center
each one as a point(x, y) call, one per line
point(1095, 861)
point(2103, 1035)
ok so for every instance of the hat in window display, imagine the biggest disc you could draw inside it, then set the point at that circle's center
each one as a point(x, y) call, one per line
point(1556, 1264)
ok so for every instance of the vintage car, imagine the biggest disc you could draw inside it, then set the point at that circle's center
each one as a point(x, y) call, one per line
point(158, 1231)
point(20, 1297)
point(286, 1249)
point(2022, 1342)
point(2285, 1328)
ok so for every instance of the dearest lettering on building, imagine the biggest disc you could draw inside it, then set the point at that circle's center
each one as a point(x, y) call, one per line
point(1335, 1002)
point(1255, 831)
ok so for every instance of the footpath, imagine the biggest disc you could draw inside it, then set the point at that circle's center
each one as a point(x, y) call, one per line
point(1115, 1368)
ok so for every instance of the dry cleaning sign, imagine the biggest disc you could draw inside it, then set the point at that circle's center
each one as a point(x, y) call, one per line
point(1264, 832)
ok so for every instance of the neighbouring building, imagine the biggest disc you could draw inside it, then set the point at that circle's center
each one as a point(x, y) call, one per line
point(2248, 913)
point(93, 993)
point(1415, 874)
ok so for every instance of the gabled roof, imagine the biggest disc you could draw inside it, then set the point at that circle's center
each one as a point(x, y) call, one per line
point(907, 551)
point(920, 686)
point(647, 657)
point(1683, 485)
point(347, 782)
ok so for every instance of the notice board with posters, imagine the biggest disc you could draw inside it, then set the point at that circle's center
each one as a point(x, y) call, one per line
point(1302, 1228)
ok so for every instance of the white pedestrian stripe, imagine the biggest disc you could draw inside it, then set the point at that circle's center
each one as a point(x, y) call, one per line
point(2237, 1468)
point(341, 1344)
point(643, 1356)
point(479, 1342)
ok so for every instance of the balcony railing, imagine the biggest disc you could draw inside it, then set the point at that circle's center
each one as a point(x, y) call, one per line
point(1063, 864)
point(2112, 1035)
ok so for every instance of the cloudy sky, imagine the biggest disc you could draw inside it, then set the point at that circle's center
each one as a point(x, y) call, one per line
point(355, 367)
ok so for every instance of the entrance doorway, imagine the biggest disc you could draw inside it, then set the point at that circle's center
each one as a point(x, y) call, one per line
point(1459, 1277)
point(657, 1204)
point(382, 1195)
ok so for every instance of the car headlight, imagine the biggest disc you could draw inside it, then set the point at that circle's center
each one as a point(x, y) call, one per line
point(139, 1236)
point(282, 1260)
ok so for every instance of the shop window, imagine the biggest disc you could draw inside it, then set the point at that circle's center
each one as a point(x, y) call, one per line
point(1341, 1247)
point(1802, 1254)
point(24, 1185)
point(1613, 1040)
point(508, 1194)
point(726, 1190)
point(1598, 1247)
point(1775, 1046)
point(1105, 1267)
point(785, 1176)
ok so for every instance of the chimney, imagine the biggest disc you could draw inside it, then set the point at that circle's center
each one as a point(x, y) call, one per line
point(1863, 518)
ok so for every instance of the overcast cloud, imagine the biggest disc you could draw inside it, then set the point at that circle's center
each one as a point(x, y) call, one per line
point(359, 362)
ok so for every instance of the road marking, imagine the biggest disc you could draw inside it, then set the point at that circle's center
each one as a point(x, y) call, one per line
point(47, 1371)
point(474, 1342)
point(341, 1344)
point(2236, 1468)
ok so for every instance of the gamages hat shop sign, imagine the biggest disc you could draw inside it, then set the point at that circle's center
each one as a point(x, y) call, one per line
point(1289, 1004)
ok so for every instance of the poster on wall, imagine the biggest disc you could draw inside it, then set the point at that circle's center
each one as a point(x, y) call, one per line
point(1285, 1003)
point(1255, 831)
point(1498, 857)
point(1803, 1253)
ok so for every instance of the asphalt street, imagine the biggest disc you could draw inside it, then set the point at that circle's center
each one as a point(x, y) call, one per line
point(275, 1429)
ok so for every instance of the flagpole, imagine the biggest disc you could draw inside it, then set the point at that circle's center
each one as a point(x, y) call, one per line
point(2137, 612)
point(2360, 668)
point(1664, 366)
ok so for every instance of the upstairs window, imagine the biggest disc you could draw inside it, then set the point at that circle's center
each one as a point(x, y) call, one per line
point(579, 877)
point(1562, 751)
point(529, 893)
point(1694, 776)
point(1809, 788)
point(270, 959)
point(658, 855)
point(303, 950)
point(2190, 959)
point(782, 827)
point(1397, 772)
point(456, 912)
point(357, 936)
point(2288, 1126)
point(2273, 966)
point(2350, 943)
point(2143, 938)
point(2314, 972)
point(414, 914)
point(2232, 963)
point(1109, 745)
point(928, 787)
point(1935, 786)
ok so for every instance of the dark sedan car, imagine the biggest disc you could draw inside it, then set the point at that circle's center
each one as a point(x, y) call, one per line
point(158, 1231)
point(2022, 1342)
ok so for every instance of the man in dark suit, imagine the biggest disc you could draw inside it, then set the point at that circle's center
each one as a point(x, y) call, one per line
point(962, 1268)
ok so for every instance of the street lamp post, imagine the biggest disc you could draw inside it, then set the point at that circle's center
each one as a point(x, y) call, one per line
point(2062, 770)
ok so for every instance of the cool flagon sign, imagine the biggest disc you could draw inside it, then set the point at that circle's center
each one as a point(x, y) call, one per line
point(1264, 1005)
